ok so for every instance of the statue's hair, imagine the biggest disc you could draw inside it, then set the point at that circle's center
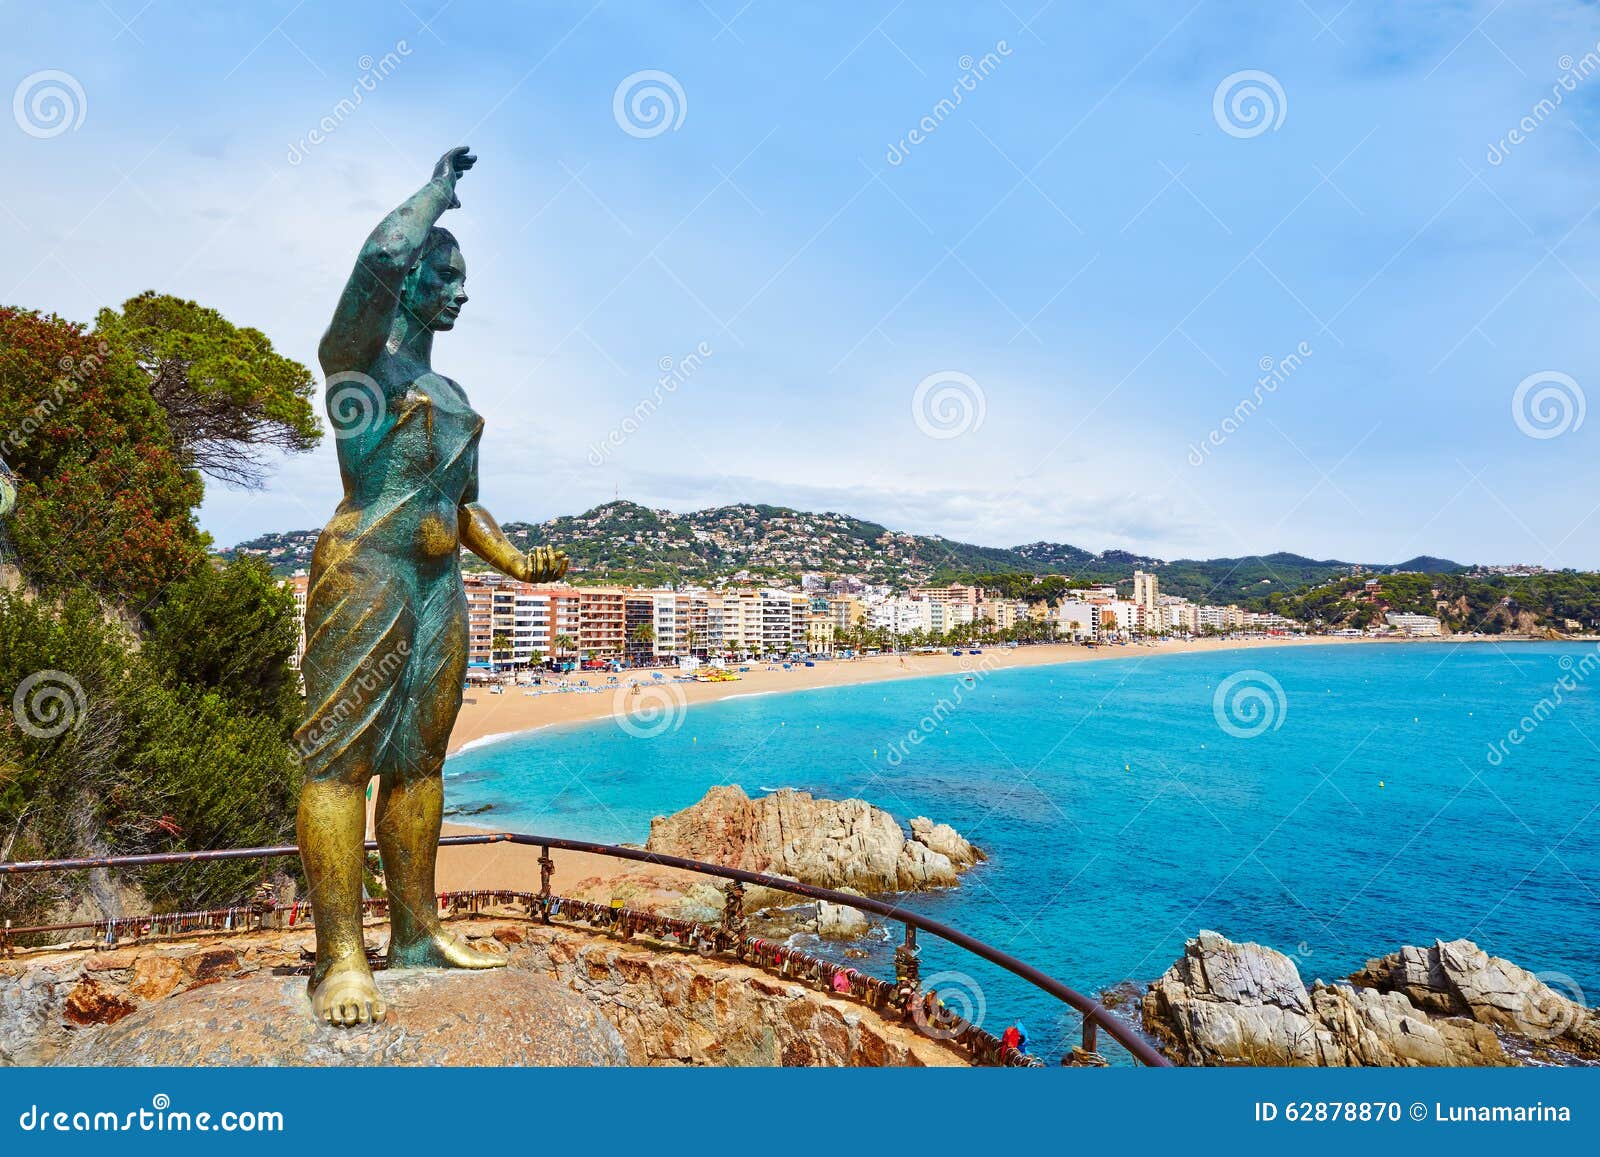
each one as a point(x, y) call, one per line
point(438, 235)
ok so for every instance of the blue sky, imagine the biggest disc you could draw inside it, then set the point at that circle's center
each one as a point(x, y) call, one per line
point(1084, 251)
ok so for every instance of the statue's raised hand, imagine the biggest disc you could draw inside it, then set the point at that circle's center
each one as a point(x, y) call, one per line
point(449, 169)
point(544, 565)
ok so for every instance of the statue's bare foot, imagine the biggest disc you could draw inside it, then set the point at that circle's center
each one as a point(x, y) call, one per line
point(347, 995)
point(440, 950)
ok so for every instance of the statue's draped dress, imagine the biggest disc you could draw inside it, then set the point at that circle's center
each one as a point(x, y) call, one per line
point(386, 614)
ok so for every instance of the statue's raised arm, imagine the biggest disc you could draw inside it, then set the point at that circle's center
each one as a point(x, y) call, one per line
point(362, 319)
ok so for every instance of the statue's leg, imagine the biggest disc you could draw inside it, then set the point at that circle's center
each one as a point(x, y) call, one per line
point(358, 635)
point(331, 828)
point(411, 788)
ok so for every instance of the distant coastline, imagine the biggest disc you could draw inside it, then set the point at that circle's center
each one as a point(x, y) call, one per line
point(488, 718)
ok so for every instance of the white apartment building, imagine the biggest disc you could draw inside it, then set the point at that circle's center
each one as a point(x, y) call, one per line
point(1146, 590)
point(1413, 624)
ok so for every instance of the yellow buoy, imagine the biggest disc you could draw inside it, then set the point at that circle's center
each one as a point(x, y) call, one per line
point(1380, 783)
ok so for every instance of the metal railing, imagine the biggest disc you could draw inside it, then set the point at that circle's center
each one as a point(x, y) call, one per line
point(1096, 1016)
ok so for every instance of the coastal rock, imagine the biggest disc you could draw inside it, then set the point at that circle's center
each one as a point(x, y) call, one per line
point(840, 921)
point(830, 843)
point(1244, 1004)
point(1457, 978)
point(945, 840)
point(436, 1017)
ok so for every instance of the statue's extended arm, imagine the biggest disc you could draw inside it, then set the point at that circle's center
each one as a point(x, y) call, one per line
point(482, 535)
point(361, 320)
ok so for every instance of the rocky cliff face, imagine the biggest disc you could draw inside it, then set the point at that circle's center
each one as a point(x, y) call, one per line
point(829, 843)
point(1244, 1004)
point(567, 996)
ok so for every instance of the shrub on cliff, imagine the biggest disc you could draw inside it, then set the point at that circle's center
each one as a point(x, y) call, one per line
point(102, 752)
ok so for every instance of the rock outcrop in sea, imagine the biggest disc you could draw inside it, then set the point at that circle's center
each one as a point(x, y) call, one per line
point(1226, 1003)
point(1459, 979)
point(829, 843)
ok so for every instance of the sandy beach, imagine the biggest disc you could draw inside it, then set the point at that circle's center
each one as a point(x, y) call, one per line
point(485, 717)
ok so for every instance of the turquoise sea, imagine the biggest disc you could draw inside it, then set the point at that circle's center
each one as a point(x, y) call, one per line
point(1335, 803)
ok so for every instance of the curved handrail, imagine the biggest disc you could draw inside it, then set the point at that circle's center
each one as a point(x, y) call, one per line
point(1095, 1014)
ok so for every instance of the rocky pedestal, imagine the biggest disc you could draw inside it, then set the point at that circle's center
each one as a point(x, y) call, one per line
point(436, 1017)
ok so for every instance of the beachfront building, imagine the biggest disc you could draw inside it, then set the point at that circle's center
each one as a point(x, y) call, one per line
point(903, 616)
point(1413, 624)
point(953, 594)
point(602, 622)
point(639, 621)
point(847, 611)
point(1147, 593)
point(1077, 619)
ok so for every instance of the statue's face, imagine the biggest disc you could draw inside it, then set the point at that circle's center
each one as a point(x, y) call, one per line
point(437, 288)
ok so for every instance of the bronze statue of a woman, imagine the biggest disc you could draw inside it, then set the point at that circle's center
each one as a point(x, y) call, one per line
point(386, 615)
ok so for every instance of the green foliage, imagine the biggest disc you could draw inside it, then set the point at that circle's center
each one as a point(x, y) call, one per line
point(117, 759)
point(1487, 604)
point(229, 629)
point(104, 503)
point(228, 396)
